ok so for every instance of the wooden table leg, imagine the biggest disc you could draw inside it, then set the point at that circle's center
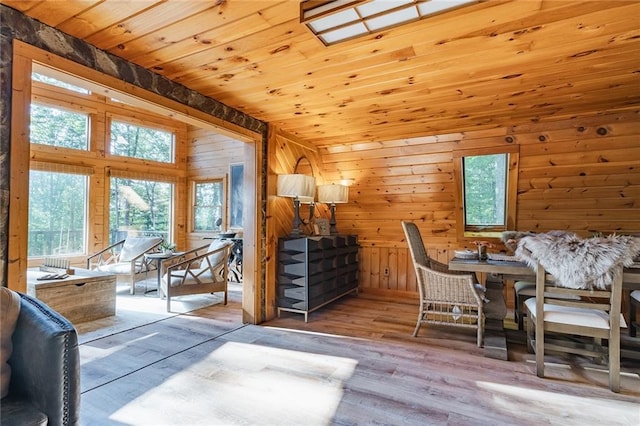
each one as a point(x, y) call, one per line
point(495, 339)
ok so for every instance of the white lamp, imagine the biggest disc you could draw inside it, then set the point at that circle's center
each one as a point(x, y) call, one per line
point(332, 195)
point(302, 189)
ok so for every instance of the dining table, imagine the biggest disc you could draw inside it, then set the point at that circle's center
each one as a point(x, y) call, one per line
point(497, 272)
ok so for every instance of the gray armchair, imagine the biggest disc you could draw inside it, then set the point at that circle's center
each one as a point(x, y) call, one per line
point(45, 369)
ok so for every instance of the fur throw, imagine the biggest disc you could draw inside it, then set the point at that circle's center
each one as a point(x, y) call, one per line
point(579, 263)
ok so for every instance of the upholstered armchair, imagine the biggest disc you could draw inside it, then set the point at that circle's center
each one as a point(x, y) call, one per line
point(126, 259)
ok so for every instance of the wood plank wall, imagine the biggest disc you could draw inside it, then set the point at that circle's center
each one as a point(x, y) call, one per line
point(284, 151)
point(209, 154)
point(580, 174)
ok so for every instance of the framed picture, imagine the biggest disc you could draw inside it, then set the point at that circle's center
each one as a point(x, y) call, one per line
point(236, 176)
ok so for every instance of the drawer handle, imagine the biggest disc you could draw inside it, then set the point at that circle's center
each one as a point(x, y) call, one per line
point(80, 285)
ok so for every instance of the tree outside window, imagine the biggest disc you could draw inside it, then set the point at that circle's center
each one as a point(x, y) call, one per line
point(208, 206)
point(485, 190)
point(140, 207)
point(57, 213)
point(58, 127)
point(129, 140)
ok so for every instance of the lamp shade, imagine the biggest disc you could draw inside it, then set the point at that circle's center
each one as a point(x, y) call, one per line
point(297, 186)
point(333, 194)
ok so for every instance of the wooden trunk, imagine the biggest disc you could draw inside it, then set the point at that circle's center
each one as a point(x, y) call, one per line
point(86, 296)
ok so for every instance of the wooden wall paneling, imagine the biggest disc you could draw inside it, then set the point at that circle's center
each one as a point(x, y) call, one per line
point(19, 175)
point(579, 174)
point(284, 152)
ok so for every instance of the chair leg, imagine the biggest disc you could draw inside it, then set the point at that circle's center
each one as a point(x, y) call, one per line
point(415, 330)
point(539, 350)
point(419, 322)
point(614, 362)
point(632, 318)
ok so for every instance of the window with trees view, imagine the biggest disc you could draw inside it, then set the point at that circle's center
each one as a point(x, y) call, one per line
point(486, 186)
point(146, 143)
point(208, 205)
point(485, 190)
point(58, 127)
point(57, 213)
point(142, 207)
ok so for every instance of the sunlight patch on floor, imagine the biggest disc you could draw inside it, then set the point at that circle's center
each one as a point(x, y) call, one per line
point(247, 383)
point(510, 397)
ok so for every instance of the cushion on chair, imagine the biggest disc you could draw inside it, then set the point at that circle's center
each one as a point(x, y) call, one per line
point(134, 247)
point(119, 268)
point(217, 257)
point(524, 287)
point(573, 316)
point(20, 412)
point(9, 311)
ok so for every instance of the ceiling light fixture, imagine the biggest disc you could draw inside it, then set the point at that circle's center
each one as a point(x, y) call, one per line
point(333, 21)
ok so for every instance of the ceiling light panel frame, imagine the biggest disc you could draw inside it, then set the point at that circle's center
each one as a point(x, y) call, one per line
point(335, 21)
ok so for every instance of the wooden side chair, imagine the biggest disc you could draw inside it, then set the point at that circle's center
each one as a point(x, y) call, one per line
point(202, 270)
point(126, 259)
point(554, 323)
point(446, 298)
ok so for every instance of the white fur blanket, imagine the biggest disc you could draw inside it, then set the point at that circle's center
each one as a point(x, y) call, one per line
point(579, 263)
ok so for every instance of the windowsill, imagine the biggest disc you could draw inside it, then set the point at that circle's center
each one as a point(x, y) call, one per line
point(483, 234)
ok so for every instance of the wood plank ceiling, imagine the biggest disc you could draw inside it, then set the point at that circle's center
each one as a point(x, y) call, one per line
point(494, 63)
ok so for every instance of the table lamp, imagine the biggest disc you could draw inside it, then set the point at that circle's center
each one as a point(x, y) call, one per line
point(332, 195)
point(302, 189)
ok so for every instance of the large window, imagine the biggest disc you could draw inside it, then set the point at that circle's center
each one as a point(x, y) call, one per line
point(146, 143)
point(57, 213)
point(58, 127)
point(208, 206)
point(140, 207)
point(486, 191)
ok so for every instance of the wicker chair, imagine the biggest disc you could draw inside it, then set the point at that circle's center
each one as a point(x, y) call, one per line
point(446, 297)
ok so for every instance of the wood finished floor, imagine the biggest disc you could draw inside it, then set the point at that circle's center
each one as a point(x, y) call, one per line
point(353, 363)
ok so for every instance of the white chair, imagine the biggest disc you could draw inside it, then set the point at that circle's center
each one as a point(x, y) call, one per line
point(446, 298)
point(126, 259)
point(202, 270)
point(594, 315)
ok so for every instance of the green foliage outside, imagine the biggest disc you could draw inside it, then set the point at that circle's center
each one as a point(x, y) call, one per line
point(57, 213)
point(129, 140)
point(139, 207)
point(208, 206)
point(58, 201)
point(485, 178)
point(58, 127)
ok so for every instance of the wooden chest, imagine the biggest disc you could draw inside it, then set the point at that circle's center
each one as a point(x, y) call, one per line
point(85, 296)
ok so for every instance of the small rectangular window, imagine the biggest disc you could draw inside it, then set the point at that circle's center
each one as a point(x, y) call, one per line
point(58, 127)
point(485, 190)
point(208, 206)
point(57, 213)
point(130, 140)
